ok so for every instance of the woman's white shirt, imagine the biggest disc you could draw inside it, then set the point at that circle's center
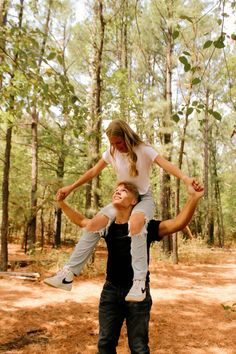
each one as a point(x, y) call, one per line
point(146, 155)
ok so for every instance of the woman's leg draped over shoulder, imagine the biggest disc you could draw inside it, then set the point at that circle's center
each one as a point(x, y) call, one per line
point(141, 213)
point(86, 244)
point(83, 250)
point(146, 208)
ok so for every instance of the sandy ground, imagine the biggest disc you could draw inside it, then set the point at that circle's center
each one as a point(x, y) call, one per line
point(193, 312)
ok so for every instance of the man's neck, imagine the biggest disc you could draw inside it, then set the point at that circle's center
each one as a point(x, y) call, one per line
point(122, 216)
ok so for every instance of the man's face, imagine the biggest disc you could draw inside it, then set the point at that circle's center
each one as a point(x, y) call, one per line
point(123, 198)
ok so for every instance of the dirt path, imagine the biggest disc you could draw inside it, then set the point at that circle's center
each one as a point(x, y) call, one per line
point(192, 313)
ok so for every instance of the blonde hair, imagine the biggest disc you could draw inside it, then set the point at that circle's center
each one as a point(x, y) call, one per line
point(120, 128)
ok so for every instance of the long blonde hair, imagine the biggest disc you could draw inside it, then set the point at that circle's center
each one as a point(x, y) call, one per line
point(120, 128)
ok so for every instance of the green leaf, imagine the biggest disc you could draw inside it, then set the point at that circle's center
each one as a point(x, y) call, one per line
point(219, 43)
point(207, 44)
point(175, 34)
point(175, 118)
point(187, 67)
point(186, 53)
point(45, 88)
point(195, 103)
point(183, 60)
point(196, 81)
point(60, 59)
point(189, 111)
point(184, 17)
point(63, 79)
point(51, 56)
point(233, 36)
point(217, 115)
point(74, 99)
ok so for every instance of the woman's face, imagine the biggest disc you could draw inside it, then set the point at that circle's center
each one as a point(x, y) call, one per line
point(118, 143)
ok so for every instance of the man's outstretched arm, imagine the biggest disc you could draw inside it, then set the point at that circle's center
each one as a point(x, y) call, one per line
point(95, 224)
point(170, 226)
point(74, 216)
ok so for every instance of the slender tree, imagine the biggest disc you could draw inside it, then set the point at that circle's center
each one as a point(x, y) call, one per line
point(32, 222)
point(8, 139)
point(96, 64)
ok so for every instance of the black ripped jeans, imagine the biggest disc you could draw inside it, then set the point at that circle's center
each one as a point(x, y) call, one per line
point(113, 310)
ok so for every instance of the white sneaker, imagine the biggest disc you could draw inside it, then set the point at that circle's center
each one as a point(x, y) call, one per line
point(63, 279)
point(138, 291)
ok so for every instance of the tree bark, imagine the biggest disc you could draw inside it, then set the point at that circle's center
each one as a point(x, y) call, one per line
point(217, 198)
point(32, 221)
point(6, 170)
point(206, 169)
point(31, 230)
point(5, 201)
point(165, 192)
point(180, 163)
point(95, 100)
point(60, 175)
point(3, 20)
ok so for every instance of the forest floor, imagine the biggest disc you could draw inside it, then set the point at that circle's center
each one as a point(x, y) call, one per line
point(193, 312)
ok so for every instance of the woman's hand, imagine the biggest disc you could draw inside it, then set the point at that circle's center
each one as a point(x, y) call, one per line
point(63, 192)
point(60, 196)
point(195, 191)
point(192, 181)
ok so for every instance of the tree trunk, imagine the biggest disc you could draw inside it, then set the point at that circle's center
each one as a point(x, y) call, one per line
point(123, 59)
point(206, 170)
point(5, 200)
point(211, 182)
point(6, 169)
point(180, 163)
point(32, 221)
point(3, 20)
point(217, 198)
point(57, 234)
point(165, 192)
point(31, 233)
point(95, 99)
point(221, 230)
point(42, 228)
point(60, 175)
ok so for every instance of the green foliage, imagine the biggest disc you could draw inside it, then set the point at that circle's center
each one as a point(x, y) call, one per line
point(57, 82)
point(185, 62)
point(207, 44)
point(231, 308)
point(219, 43)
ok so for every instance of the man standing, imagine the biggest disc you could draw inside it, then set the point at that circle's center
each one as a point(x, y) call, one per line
point(113, 309)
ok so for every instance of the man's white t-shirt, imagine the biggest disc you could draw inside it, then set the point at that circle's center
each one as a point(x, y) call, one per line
point(120, 162)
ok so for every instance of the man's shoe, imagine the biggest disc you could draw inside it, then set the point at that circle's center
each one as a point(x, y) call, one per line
point(63, 279)
point(138, 292)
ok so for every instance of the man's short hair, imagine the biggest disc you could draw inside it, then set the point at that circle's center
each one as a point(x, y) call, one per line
point(131, 188)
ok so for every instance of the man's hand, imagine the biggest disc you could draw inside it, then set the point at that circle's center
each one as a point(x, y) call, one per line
point(195, 189)
point(192, 181)
point(63, 192)
point(60, 196)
